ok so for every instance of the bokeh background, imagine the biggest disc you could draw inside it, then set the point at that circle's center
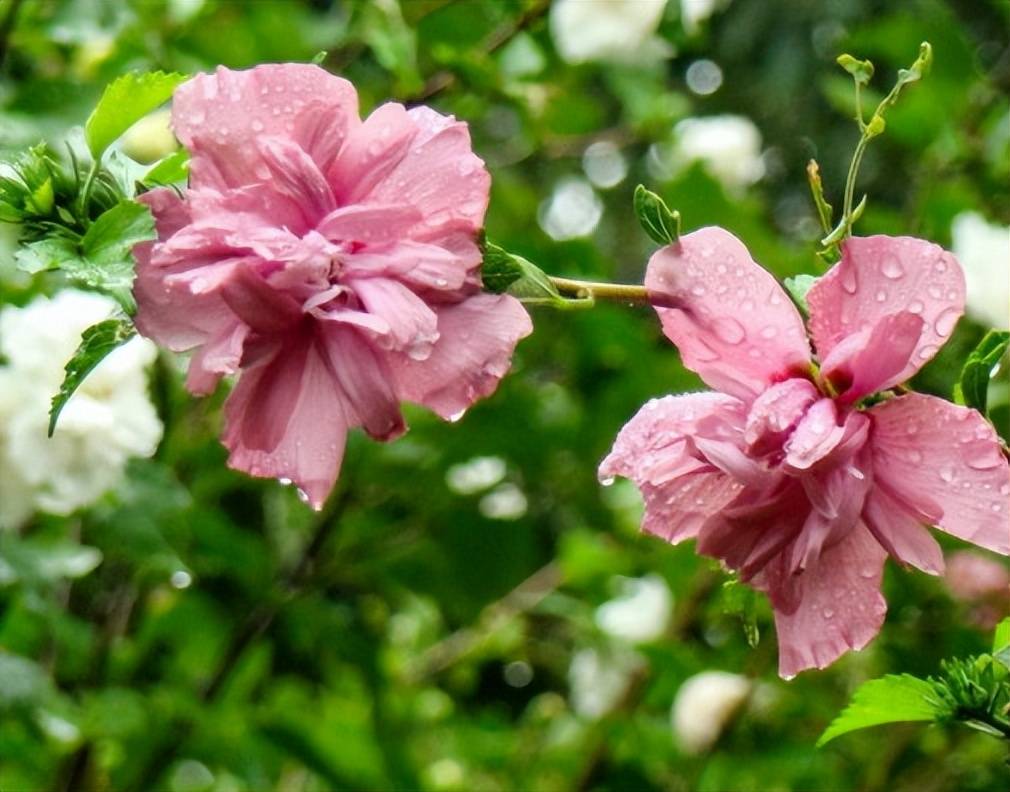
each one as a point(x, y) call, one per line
point(473, 611)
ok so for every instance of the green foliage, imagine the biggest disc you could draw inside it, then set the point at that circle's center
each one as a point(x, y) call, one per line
point(504, 272)
point(973, 388)
point(96, 343)
point(891, 699)
point(125, 101)
point(798, 286)
point(172, 169)
point(661, 224)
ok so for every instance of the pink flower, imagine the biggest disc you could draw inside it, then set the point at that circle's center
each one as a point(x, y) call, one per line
point(785, 475)
point(331, 260)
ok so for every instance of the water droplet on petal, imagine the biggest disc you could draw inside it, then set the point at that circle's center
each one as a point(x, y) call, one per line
point(891, 267)
point(770, 332)
point(997, 508)
point(698, 290)
point(935, 291)
point(828, 613)
point(1005, 489)
point(946, 321)
point(880, 296)
point(850, 281)
point(257, 126)
point(927, 352)
point(286, 482)
point(608, 481)
point(303, 496)
point(947, 474)
point(941, 265)
point(456, 416)
point(915, 307)
point(982, 456)
point(730, 330)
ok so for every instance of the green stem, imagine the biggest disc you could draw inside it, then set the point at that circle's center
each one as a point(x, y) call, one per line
point(850, 179)
point(89, 181)
point(620, 292)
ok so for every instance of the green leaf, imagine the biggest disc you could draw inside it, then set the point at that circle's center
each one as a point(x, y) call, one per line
point(798, 286)
point(45, 254)
point(661, 224)
point(861, 70)
point(125, 101)
point(825, 211)
point(742, 601)
point(25, 683)
point(96, 342)
point(890, 699)
point(973, 388)
point(170, 170)
point(504, 272)
point(41, 561)
point(107, 251)
point(1001, 638)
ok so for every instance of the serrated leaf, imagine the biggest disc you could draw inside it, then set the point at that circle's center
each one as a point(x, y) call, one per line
point(124, 102)
point(890, 699)
point(661, 224)
point(798, 286)
point(173, 168)
point(96, 342)
point(45, 254)
point(973, 388)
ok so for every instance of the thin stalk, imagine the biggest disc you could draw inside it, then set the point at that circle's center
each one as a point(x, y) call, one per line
point(620, 292)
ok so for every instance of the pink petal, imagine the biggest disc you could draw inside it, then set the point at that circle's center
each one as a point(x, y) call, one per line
point(376, 224)
point(650, 446)
point(839, 605)
point(286, 420)
point(875, 358)
point(291, 172)
point(412, 323)
point(473, 352)
point(879, 276)
point(256, 302)
point(728, 317)
point(929, 451)
point(776, 412)
point(901, 532)
point(220, 117)
point(440, 175)
point(220, 355)
point(678, 509)
point(371, 152)
point(364, 380)
point(417, 264)
point(815, 436)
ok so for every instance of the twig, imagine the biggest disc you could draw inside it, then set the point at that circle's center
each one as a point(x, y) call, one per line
point(441, 80)
point(601, 291)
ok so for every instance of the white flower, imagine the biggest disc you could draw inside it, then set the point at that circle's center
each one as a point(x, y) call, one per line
point(640, 613)
point(585, 30)
point(108, 420)
point(704, 706)
point(728, 145)
point(599, 679)
point(984, 252)
point(694, 12)
point(573, 210)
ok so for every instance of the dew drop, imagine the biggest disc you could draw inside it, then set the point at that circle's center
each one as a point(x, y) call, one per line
point(747, 305)
point(257, 126)
point(775, 299)
point(941, 265)
point(698, 290)
point(303, 496)
point(1005, 489)
point(867, 573)
point(286, 482)
point(927, 352)
point(770, 332)
point(880, 296)
point(456, 416)
point(947, 474)
point(914, 456)
point(997, 508)
point(982, 456)
point(850, 281)
point(730, 330)
point(828, 613)
point(935, 291)
point(721, 269)
point(441, 283)
point(608, 481)
point(946, 321)
point(891, 267)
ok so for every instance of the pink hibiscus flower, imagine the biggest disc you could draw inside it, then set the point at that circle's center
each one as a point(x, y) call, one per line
point(784, 474)
point(332, 260)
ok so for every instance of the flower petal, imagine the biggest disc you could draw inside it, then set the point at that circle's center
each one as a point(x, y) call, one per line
point(413, 325)
point(901, 532)
point(729, 318)
point(875, 358)
point(816, 435)
point(879, 276)
point(220, 355)
point(776, 412)
point(376, 224)
point(220, 117)
point(373, 149)
point(285, 419)
point(473, 352)
point(929, 451)
point(678, 509)
point(840, 606)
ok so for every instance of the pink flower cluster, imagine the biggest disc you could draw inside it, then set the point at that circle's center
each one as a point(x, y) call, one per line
point(784, 473)
point(330, 260)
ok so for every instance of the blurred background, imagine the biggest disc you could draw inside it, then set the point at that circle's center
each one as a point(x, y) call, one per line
point(473, 611)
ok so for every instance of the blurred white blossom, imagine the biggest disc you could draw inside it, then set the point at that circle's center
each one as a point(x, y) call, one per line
point(604, 164)
point(151, 138)
point(728, 145)
point(640, 612)
point(573, 210)
point(504, 502)
point(598, 679)
point(108, 420)
point(704, 706)
point(983, 249)
point(475, 474)
point(694, 12)
point(622, 30)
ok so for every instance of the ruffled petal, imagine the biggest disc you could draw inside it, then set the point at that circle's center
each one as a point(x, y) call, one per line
point(413, 325)
point(901, 532)
point(941, 457)
point(880, 276)
point(371, 152)
point(220, 117)
point(776, 412)
point(286, 420)
point(473, 352)
point(839, 608)
point(728, 317)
